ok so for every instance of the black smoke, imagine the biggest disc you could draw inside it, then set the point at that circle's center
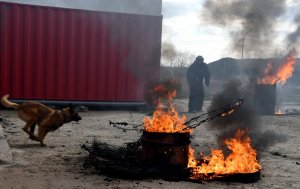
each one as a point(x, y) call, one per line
point(245, 118)
point(251, 22)
point(294, 37)
point(168, 51)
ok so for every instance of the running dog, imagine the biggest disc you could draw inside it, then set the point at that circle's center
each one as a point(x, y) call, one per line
point(47, 119)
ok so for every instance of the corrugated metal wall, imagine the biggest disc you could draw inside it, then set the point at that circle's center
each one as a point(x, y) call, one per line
point(62, 54)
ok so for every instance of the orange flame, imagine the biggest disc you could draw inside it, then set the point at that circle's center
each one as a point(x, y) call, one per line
point(279, 112)
point(241, 160)
point(284, 72)
point(166, 121)
point(161, 90)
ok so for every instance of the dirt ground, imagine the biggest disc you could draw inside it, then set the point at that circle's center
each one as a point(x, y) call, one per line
point(60, 163)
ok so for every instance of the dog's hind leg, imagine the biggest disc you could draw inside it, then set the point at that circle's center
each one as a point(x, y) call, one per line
point(32, 128)
point(32, 132)
point(28, 125)
point(41, 135)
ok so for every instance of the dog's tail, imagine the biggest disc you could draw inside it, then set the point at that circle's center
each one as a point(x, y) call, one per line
point(9, 104)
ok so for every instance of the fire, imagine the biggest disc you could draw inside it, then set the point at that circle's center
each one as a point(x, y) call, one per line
point(228, 113)
point(283, 73)
point(161, 90)
point(242, 159)
point(166, 121)
point(279, 112)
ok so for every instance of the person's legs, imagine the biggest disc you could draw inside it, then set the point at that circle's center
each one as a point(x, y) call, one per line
point(192, 98)
point(192, 107)
point(196, 98)
point(200, 100)
point(197, 103)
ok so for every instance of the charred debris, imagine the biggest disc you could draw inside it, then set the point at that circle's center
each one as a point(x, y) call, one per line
point(158, 155)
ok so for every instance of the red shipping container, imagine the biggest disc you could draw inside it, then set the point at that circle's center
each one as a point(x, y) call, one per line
point(57, 54)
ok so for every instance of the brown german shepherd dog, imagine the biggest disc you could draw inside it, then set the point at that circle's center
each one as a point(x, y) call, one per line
point(48, 119)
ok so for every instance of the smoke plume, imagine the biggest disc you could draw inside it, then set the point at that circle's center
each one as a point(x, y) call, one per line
point(251, 23)
point(294, 37)
point(168, 51)
point(244, 118)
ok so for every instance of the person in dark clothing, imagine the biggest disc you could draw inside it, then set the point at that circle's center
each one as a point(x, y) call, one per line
point(196, 73)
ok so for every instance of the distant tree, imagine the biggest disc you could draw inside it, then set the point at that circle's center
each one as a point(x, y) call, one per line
point(182, 59)
point(175, 58)
point(174, 64)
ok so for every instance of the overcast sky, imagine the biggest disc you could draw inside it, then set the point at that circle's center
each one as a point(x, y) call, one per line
point(185, 26)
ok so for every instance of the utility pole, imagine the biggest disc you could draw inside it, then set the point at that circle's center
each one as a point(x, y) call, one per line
point(243, 47)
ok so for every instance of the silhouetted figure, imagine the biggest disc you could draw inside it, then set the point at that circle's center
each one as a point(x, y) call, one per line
point(195, 74)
